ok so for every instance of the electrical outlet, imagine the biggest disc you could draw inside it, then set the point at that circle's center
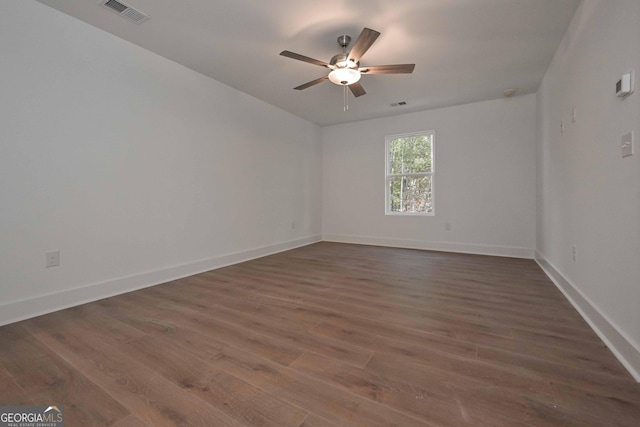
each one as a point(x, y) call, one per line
point(52, 259)
point(627, 144)
point(293, 225)
point(574, 253)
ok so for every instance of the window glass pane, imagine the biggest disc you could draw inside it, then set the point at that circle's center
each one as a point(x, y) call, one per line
point(411, 154)
point(410, 194)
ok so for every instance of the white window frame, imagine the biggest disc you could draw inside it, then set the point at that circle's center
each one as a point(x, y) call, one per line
point(388, 176)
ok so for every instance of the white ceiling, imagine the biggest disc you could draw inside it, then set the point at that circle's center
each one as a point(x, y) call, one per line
point(464, 50)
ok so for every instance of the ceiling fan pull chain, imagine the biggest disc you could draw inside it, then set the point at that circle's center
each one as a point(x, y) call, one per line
point(345, 98)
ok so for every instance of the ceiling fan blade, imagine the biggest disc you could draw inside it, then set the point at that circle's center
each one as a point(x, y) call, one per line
point(388, 69)
point(363, 43)
point(303, 58)
point(357, 89)
point(311, 83)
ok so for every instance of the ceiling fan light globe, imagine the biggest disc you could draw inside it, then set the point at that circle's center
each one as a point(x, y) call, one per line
point(344, 76)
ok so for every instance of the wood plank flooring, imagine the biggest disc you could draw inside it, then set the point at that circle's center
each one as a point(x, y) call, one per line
point(326, 335)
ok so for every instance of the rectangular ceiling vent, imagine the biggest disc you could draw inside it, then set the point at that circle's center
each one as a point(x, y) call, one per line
point(125, 11)
point(397, 104)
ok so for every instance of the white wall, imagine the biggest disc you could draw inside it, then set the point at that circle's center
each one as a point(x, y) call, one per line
point(137, 169)
point(588, 195)
point(484, 180)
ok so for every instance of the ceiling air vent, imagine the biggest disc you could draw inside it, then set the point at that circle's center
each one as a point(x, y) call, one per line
point(397, 104)
point(125, 11)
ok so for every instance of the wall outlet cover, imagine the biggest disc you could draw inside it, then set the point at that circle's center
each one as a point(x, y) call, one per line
point(52, 259)
point(627, 144)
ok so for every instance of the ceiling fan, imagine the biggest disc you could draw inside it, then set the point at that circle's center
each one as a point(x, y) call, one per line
point(345, 67)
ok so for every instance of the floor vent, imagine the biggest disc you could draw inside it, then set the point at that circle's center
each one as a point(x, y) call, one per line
point(125, 11)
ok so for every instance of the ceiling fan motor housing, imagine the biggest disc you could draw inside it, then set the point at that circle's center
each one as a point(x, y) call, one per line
point(341, 60)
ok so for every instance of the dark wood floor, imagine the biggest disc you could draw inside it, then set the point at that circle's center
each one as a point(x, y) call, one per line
point(326, 335)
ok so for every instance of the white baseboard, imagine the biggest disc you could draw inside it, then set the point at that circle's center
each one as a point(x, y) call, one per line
point(622, 347)
point(468, 248)
point(24, 309)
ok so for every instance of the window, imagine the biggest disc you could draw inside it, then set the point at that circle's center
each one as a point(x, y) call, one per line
point(409, 174)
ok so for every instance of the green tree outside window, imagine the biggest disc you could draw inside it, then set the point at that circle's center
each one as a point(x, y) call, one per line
point(410, 174)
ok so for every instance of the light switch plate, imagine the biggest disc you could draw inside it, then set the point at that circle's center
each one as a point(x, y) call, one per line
point(627, 144)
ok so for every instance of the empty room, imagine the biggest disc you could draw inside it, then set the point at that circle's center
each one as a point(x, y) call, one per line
point(319, 213)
